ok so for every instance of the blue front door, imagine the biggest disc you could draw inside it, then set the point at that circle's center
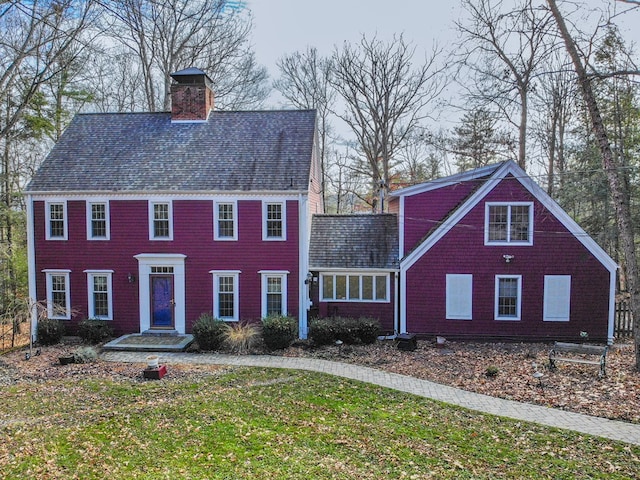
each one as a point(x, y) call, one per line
point(162, 301)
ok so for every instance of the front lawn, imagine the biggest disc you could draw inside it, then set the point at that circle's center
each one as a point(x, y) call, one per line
point(237, 423)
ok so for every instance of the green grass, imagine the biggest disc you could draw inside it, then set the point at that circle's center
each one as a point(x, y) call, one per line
point(272, 424)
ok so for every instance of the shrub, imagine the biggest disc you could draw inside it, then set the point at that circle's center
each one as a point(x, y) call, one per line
point(209, 332)
point(240, 337)
point(368, 330)
point(50, 331)
point(491, 371)
point(279, 331)
point(325, 331)
point(95, 331)
point(85, 355)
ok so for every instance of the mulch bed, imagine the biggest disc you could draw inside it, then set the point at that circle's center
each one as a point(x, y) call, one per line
point(464, 365)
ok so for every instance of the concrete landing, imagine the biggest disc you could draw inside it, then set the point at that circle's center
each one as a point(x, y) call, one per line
point(145, 342)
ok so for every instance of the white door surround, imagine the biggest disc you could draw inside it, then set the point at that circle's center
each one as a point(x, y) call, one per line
point(145, 263)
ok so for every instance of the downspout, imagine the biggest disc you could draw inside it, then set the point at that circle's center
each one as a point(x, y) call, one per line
point(31, 268)
point(396, 306)
point(612, 306)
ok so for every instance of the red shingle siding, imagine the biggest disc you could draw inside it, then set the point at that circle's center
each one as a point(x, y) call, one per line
point(425, 211)
point(192, 236)
point(555, 251)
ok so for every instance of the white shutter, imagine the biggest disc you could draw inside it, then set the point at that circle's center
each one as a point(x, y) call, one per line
point(557, 297)
point(459, 296)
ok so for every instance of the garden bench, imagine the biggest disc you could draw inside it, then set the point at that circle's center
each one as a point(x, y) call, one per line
point(556, 354)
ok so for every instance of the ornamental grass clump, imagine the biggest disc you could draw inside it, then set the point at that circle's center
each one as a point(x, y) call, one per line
point(241, 337)
point(85, 355)
point(209, 332)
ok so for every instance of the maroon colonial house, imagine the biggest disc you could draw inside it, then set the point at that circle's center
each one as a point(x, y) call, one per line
point(151, 219)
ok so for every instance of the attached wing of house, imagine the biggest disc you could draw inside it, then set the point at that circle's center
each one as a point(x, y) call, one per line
point(489, 254)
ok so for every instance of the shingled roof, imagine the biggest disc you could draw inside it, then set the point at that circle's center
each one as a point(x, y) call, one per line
point(354, 241)
point(141, 152)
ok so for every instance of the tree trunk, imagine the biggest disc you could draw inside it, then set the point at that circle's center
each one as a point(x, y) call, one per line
point(619, 196)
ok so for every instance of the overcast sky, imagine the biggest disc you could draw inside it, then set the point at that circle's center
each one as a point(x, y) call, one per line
point(282, 27)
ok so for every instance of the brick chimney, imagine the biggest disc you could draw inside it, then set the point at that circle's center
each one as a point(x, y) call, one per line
point(191, 96)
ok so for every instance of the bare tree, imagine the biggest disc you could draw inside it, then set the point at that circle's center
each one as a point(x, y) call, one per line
point(554, 104)
point(305, 82)
point(385, 98)
point(502, 48)
point(38, 41)
point(619, 197)
point(174, 34)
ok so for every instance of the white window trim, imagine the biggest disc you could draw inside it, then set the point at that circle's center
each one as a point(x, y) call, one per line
point(50, 310)
point(551, 290)
point(90, 301)
point(215, 220)
point(265, 274)
point(387, 298)
point(508, 242)
point(459, 292)
point(107, 219)
point(151, 220)
point(266, 238)
point(519, 303)
point(236, 293)
point(65, 219)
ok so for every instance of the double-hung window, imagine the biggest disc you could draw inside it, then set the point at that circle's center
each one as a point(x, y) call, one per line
point(274, 225)
point(225, 224)
point(98, 220)
point(56, 220)
point(508, 297)
point(355, 287)
point(508, 223)
point(58, 297)
point(160, 221)
point(274, 293)
point(226, 295)
point(100, 294)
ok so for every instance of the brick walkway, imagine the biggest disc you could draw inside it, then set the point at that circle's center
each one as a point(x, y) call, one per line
point(602, 427)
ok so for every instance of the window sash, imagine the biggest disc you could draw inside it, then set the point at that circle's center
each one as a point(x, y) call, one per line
point(508, 297)
point(355, 287)
point(98, 220)
point(57, 221)
point(160, 221)
point(274, 220)
point(509, 223)
point(274, 296)
point(225, 221)
point(274, 292)
point(58, 299)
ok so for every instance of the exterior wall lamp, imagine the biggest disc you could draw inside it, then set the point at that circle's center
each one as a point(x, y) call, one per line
point(508, 258)
point(131, 278)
